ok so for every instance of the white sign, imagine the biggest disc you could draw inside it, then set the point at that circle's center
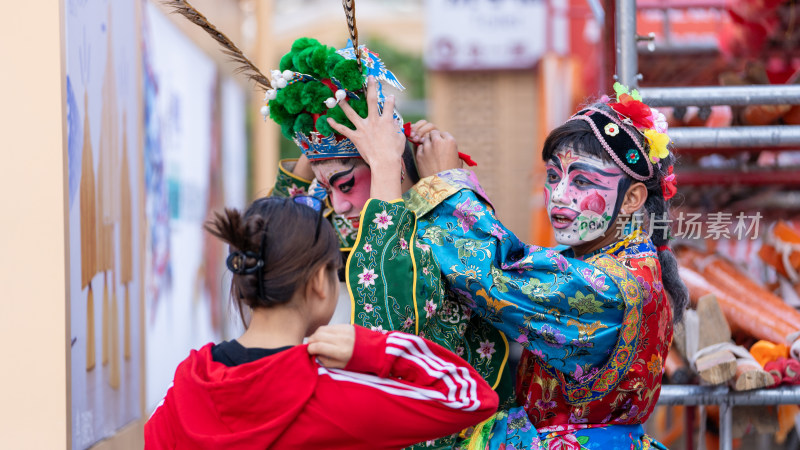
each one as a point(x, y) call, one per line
point(485, 34)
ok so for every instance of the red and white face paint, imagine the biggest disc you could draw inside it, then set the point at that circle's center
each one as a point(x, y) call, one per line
point(348, 184)
point(581, 193)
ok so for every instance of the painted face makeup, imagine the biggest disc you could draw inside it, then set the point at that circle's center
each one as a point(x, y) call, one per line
point(581, 193)
point(348, 185)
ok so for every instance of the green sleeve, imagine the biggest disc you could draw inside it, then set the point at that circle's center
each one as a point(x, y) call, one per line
point(288, 184)
point(395, 283)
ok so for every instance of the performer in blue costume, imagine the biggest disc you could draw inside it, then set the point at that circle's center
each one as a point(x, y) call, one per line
point(594, 314)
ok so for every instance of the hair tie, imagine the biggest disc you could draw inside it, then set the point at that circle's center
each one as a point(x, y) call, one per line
point(669, 185)
point(663, 248)
point(237, 263)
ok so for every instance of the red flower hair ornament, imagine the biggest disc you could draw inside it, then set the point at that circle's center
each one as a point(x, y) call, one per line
point(669, 185)
point(639, 114)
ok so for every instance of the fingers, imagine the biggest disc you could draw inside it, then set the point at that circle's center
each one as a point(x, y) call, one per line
point(341, 129)
point(388, 107)
point(422, 128)
point(372, 97)
point(350, 113)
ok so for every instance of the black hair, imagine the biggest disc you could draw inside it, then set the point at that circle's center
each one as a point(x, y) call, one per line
point(277, 230)
point(577, 134)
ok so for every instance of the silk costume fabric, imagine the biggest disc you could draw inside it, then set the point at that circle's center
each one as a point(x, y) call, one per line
point(596, 330)
point(410, 294)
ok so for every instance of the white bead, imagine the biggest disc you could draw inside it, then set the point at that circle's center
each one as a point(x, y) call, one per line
point(280, 83)
point(330, 102)
point(340, 94)
point(276, 74)
point(265, 112)
point(271, 94)
point(288, 74)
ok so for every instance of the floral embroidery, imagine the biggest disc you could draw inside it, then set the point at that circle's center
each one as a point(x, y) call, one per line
point(423, 247)
point(519, 420)
point(368, 307)
point(430, 308)
point(585, 304)
point(486, 350)
point(654, 366)
point(611, 129)
point(468, 212)
point(498, 231)
point(295, 190)
point(552, 336)
point(459, 351)
point(632, 156)
point(367, 277)
point(383, 220)
point(425, 271)
point(408, 323)
point(378, 328)
point(403, 244)
point(367, 248)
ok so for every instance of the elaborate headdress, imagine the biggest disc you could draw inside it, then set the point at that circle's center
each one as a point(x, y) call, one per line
point(312, 80)
point(621, 143)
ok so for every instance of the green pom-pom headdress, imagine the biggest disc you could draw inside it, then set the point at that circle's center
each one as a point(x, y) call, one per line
point(312, 80)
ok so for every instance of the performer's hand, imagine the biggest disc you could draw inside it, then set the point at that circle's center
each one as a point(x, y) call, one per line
point(438, 152)
point(333, 345)
point(380, 141)
point(378, 138)
point(420, 130)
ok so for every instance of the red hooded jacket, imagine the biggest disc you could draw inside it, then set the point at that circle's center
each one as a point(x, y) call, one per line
point(397, 390)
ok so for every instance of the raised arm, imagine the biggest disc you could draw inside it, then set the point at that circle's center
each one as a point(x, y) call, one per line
point(568, 312)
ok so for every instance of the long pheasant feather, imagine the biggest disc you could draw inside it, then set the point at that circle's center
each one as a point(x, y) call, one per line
point(246, 66)
point(350, 13)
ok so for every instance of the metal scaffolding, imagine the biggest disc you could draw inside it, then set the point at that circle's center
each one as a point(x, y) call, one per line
point(727, 399)
point(691, 138)
point(704, 138)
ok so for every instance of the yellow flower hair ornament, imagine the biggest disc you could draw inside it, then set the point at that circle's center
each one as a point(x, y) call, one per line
point(658, 145)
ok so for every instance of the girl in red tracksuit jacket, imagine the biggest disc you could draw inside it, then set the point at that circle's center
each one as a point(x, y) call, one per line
point(348, 387)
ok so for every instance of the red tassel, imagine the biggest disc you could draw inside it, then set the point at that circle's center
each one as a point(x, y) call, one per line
point(407, 129)
point(467, 159)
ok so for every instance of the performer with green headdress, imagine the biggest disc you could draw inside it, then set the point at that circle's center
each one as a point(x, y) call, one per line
point(395, 283)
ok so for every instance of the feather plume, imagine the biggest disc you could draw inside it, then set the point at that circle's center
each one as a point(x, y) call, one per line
point(246, 66)
point(350, 13)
